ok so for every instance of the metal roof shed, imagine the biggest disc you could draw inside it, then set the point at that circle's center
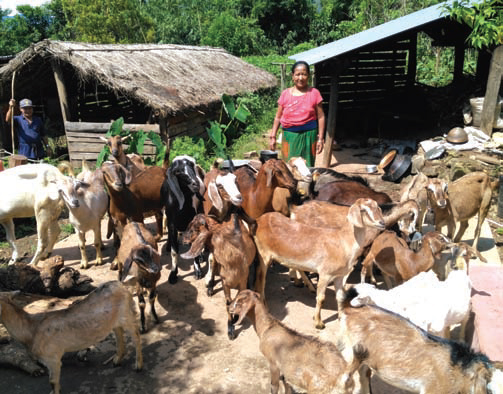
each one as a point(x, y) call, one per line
point(363, 74)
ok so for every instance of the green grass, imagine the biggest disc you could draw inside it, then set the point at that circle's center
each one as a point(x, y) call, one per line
point(67, 229)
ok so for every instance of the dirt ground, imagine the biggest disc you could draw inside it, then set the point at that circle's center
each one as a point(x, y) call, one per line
point(188, 351)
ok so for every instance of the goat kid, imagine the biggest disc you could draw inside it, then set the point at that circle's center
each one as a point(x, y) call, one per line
point(87, 202)
point(298, 360)
point(397, 261)
point(258, 191)
point(459, 201)
point(347, 192)
point(182, 193)
point(332, 253)
point(49, 335)
point(131, 161)
point(138, 254)
point(405, 356)
point(230, 246)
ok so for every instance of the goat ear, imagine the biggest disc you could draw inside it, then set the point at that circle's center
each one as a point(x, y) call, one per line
point(197, 246)
point(154, 267)
point(269, 173)
point(355, 215)
point(214, 196)
point(175, 188)
point(127, 175)
point(247, 305)
point(53, 191)
point(125, 269)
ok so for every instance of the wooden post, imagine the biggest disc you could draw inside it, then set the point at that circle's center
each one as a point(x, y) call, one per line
point(283, 76)
point(459, 59)
point(164, 132)
point(331, 120)
point(12, 112)
point(60, 85)
point(492, 89)
point(412, 61)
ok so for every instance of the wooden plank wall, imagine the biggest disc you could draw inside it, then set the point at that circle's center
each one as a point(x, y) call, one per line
point(83, 139)
point(371, 75)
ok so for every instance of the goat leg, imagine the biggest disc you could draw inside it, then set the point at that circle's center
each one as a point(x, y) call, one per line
point(98, 245)
point(82, 246)
point(8, 226)
point(141, 303)
point(320, 298)
point(151, 298)
point(210, 275)
point(197, 267)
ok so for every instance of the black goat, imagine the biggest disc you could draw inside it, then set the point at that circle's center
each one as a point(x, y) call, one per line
point(182, 193)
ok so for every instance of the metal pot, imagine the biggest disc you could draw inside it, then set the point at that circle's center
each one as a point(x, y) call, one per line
point(398, 168)
point(457, 135)
point(268, 154)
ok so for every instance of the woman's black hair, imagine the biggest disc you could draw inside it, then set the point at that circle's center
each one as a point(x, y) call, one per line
point(298, 63)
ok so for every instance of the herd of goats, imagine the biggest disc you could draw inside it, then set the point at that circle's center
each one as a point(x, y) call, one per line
point(317, 222)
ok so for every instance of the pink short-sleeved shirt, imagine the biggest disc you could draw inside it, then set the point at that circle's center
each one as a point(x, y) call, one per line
point(298, 110)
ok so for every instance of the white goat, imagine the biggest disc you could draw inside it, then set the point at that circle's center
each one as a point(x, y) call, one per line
point(49, 335)
point(87, 202)
point(429, 303)
point(27, 191)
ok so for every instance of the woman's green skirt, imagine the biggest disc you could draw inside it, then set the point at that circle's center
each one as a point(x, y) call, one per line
point(300, 144)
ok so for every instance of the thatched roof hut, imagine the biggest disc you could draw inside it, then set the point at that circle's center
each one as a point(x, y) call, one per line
point(97, 83)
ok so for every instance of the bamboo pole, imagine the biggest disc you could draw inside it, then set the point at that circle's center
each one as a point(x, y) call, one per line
point(12, 111)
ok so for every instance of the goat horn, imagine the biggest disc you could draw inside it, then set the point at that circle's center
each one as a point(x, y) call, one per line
point(231, 164)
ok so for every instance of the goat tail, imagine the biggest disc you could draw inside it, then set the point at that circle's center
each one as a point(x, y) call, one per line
point(65, 166)
point(344, 298)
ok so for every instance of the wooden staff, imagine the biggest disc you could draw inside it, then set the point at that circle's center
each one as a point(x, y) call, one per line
point(12, 111)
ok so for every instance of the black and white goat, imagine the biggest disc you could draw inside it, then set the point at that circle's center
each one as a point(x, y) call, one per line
point(182, 193)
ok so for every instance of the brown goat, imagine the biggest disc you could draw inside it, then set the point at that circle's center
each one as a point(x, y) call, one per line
point(257, 192)
point(347, 192)
point(396, 261)
point(131, 161)
point(467, 196)
point(49, 335)
point(302, 361)
point(409, 358)
point(232, 249)
point(134, 197)
point(139, 246)
point(332, 253)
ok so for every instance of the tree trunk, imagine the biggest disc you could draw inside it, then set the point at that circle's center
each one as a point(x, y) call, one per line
point(492, 89)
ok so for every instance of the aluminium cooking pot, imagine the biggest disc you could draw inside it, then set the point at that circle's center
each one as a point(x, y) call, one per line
point(268, 154)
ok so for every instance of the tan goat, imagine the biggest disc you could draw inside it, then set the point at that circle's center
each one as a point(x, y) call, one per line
point(49, 335)
point(332, 253)
point(405, 356)
point(466, 197)
point(396, 261)
point(302, 361)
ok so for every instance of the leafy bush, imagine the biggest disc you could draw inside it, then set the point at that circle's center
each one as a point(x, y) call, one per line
point(192, 146)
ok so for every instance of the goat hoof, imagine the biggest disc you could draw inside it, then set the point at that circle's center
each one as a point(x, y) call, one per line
point(210, 291)
point(143, 330)
point(173, 278)
point(320, 326)
point(114, 266)
point(231, 333)
point(198, 275)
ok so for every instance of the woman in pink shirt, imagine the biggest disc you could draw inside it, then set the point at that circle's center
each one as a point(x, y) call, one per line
point(301, 116)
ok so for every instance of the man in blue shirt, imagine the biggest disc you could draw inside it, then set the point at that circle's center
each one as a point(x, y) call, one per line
point(30, 130)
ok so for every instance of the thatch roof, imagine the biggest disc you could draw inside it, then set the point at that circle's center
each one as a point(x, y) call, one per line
point(171, 78)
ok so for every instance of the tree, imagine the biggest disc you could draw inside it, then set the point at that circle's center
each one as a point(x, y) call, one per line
point(240, 36)
point(30, 25)
point(486, 20)
point(108, 21)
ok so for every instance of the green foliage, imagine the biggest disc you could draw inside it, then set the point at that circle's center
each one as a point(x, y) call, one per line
point(218, 131)
point(192, 146)
point(136, 143)
point(240, 36)
point(109, 21)
point(67, 229)
point(499, 230)
point(485, 18)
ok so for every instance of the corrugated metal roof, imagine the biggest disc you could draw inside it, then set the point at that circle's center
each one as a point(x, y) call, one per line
point(374, 34)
